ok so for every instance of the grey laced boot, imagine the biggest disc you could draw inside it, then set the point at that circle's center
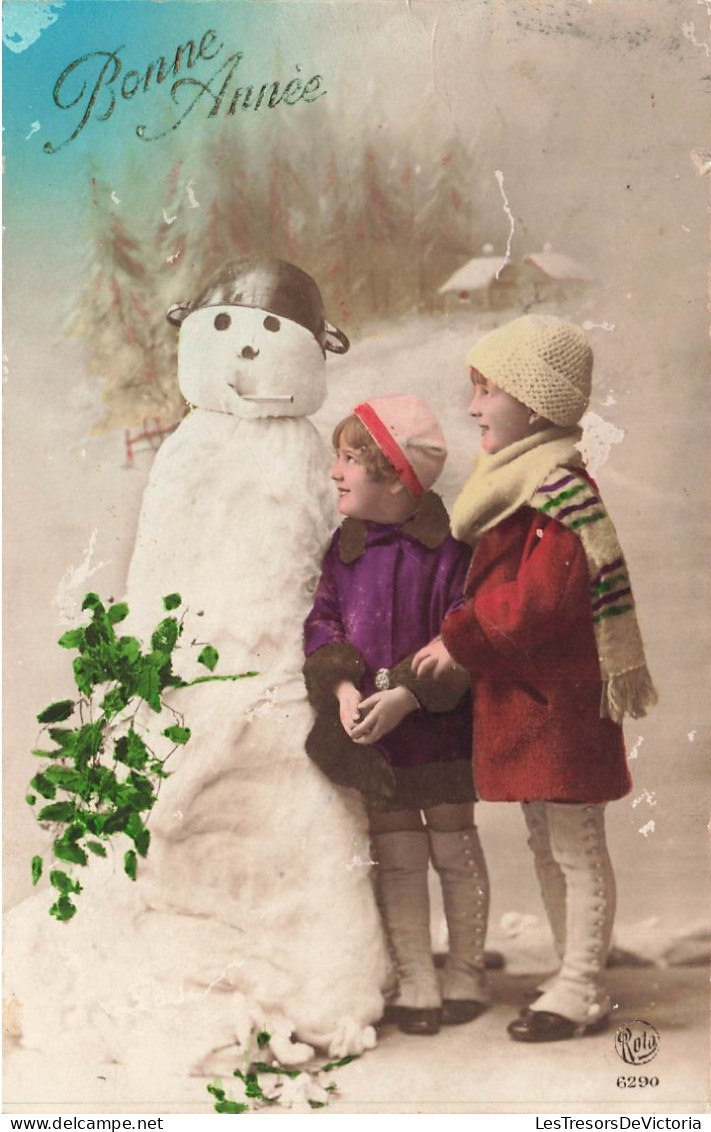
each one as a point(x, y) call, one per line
point(403, 860)
point(577, 1003)
point(459, 860)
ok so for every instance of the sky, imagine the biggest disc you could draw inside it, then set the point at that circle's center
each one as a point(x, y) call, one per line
point(530, 83)
point(104, 48)
point(581, 116)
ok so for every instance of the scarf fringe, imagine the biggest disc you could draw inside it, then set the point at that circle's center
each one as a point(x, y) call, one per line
point(628, 693)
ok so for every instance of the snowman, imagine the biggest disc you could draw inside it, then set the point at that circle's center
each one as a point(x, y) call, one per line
point(254, 911)
point(236, 516)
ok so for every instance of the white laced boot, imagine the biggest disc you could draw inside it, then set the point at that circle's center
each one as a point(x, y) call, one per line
point(577, 1003)
point(403, 860)
point(458, 857)
point(551, 879)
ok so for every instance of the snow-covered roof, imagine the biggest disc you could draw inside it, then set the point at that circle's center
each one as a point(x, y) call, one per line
point(556, 265)
point(476, 275)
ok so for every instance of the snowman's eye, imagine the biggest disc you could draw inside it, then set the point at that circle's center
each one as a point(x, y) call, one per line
point(272, 323)
point(222, 321)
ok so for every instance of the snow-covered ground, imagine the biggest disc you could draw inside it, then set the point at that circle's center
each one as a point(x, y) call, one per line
point(71, 510)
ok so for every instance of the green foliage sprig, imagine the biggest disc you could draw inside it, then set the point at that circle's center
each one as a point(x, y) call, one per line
point(255, 1080)
point(100, 779)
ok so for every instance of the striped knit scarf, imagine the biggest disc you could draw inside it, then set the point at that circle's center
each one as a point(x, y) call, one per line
point(544, 471)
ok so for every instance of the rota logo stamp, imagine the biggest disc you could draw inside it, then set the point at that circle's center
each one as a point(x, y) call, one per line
point(637, 1042)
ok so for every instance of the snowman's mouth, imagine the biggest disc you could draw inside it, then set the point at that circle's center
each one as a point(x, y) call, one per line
point(258, 398)
point(275, 397)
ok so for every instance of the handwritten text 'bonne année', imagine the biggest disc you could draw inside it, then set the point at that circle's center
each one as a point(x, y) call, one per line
point(94, 84)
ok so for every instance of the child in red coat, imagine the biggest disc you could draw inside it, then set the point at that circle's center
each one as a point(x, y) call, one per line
point(549, 635)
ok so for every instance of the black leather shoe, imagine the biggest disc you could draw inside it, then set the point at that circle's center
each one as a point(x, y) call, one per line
point(544, 1026)
point(414, 1019)
point(456, 1011)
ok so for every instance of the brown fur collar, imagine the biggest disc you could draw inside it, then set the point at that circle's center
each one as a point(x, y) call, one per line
point(428, 526)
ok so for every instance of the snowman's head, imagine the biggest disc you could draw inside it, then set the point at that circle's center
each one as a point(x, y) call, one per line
point(253, 343)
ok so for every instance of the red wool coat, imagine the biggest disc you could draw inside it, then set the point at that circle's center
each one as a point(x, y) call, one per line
point(525, 632)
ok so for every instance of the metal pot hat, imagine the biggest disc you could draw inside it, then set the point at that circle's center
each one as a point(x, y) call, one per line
point(271, 285)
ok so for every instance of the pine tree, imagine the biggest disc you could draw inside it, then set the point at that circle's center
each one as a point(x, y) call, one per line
point(115, 316)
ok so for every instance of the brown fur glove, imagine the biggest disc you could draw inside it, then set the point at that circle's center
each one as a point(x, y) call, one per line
point(343, 761)
point(443, 694)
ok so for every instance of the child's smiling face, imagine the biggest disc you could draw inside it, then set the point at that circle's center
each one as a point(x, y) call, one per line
point(360, 495)
point(364, 496)
point(502, 419)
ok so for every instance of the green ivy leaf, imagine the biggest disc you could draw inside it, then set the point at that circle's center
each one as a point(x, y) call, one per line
point(116, 821)
point(63, 882)
point(73, 639)
point(252, 1087)
point(37, 866)
point(56, 712)
point(88, 743)
point(263, 1039)
point(96, 848)
point(92, 822)
point(30, 799)
point(66, 848)
point(65, 778)
point(210, 679)
point(165, 635)
point(64, 909)
point(209, 657)
point(64, 737)
point(138, 833)
point(223, 1104)
point(118, 612)
point(102, 782)
point(179, 735)
point(148, 685)
point(172, 601)
point(59, 811)
point(43, 786)
point(339, 1064)
point(92, 601)
point(129, 863)
point(129, 649)
point(279, 1070)
point(232, 1107)
point(84, 675)
point(114, 701)
point(131, 750)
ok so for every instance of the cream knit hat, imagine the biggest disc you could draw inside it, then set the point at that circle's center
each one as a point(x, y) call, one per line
point(541, 361)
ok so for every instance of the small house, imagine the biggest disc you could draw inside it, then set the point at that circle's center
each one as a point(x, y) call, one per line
point(488, 282)
point(549, 275)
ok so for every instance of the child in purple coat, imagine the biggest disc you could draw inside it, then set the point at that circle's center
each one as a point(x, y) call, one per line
point(392, 573)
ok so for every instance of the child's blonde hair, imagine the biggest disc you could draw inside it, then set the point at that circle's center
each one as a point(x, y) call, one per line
point(352, 433)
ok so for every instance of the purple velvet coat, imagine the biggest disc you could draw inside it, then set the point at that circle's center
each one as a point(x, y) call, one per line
point(385, 589)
